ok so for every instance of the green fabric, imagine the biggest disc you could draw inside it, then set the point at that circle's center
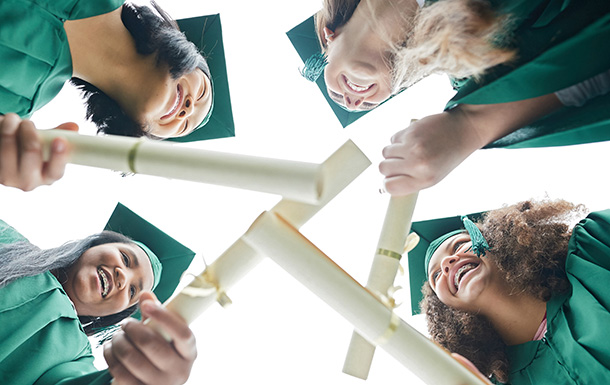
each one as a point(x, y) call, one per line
point(34, 51)
point(206, 33)
point(303, 38)
point(156, 265)
point(174, 256)
point(560, 43)
point(575, 349)
point(428, 231)
point(434, 245)
point(42, 340)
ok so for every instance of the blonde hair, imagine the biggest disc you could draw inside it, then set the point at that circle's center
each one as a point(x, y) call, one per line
point(456, 37)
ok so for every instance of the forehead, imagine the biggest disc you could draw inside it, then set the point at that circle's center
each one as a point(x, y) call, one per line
point(446, 249)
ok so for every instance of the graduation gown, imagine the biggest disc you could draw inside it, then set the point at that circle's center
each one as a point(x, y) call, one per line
point(43, 342)
point(559, 43)
point(575, 349)
point(34, 51)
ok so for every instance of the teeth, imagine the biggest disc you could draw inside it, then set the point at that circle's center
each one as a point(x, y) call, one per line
point(461, 271)
point(104, 282)
point(356, 87)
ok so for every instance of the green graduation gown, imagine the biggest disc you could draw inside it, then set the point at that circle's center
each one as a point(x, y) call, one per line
point(43, 342)
point(559, 43)
point(35, 56)
point(576, 348)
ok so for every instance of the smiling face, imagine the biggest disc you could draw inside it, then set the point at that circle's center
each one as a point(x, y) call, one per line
point(461, 279)
point(175, 107)
point(108, 278)
point(358, 75)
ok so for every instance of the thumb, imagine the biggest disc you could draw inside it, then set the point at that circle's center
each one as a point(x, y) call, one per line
point(68, 126)
point(144, 297)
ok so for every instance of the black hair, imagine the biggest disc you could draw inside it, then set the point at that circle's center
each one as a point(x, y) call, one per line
point(153, 33)
point(23, 259)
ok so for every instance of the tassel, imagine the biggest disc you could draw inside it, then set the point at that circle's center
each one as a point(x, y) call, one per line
point(314, 66)
point(479, 244)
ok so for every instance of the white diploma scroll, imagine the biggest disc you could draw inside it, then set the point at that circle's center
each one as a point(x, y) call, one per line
point(396, 228)
point(294, 180)
point(274, 237)
point(340, 169)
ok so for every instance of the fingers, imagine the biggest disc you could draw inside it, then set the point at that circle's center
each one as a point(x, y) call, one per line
point(181, 335)
point(55, 167)
point(21, 155)
point(9, 152)
point(139, 354)
point(120, 374)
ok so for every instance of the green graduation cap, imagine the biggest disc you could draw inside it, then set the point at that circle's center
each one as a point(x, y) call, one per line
point(428, 231)
point(206, 33)
point(173, 256)
point(304, 39)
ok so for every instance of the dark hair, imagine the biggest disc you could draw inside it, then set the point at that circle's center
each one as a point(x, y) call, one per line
point(153, 33)
point(23, 259)
point(529, 244)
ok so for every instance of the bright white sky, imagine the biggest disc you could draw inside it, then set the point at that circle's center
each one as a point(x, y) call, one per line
point(276, 331)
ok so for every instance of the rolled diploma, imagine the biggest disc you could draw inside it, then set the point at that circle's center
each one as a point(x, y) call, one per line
point(394, 232)
point(279, 240)
point(340, 169)
point(299, 181)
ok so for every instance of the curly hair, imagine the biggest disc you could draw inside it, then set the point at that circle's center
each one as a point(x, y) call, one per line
point(529, 244)
point(461, 38)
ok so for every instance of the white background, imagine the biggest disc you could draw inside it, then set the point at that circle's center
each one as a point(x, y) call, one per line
point(276, 331)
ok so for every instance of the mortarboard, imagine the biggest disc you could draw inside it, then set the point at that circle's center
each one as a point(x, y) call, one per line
point(174, 256)
point(206, 33)
point(428, 232)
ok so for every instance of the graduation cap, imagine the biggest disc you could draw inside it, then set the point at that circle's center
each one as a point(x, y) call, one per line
point(206, 33)
point(304, 39)
point(173, 256)
point(428, 232)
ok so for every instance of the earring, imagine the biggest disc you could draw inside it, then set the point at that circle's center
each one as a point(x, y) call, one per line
point(328, 35)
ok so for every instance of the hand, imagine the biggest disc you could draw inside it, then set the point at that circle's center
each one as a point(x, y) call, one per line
point(424, 153)
point(140, 355)
point(21, 163)
point(467, 363)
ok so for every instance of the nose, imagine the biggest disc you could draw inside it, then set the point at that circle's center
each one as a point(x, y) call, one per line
point(447, 263)
point(187, 107)
point(352, 101)
point(122, 278)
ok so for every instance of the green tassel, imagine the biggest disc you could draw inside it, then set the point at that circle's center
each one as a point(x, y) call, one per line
point(314, 66)
point(479, 244)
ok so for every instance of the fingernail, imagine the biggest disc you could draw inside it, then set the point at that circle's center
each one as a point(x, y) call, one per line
point(149, 306)
point(59, 146)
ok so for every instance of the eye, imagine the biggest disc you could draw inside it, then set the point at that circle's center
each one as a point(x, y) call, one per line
point(457, 246)
point(125, 259)
point(435, 276)
point(132, 291)
point(202, 92)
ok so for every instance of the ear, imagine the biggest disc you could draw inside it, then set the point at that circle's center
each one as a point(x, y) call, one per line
point(328, 35)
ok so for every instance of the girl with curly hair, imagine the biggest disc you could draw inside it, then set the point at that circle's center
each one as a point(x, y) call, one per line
point(513, 64)
point(51, 300)
point(522, 295)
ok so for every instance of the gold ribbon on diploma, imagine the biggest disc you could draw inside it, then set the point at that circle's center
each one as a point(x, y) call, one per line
point(388, 299)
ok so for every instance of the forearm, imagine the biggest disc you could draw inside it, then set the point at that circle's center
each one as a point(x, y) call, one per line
point(489, 122)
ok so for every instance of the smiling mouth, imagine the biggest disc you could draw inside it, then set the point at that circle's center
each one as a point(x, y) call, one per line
point(177, 103)
point(462, 272)
point(356, 87)
point(104, 282)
